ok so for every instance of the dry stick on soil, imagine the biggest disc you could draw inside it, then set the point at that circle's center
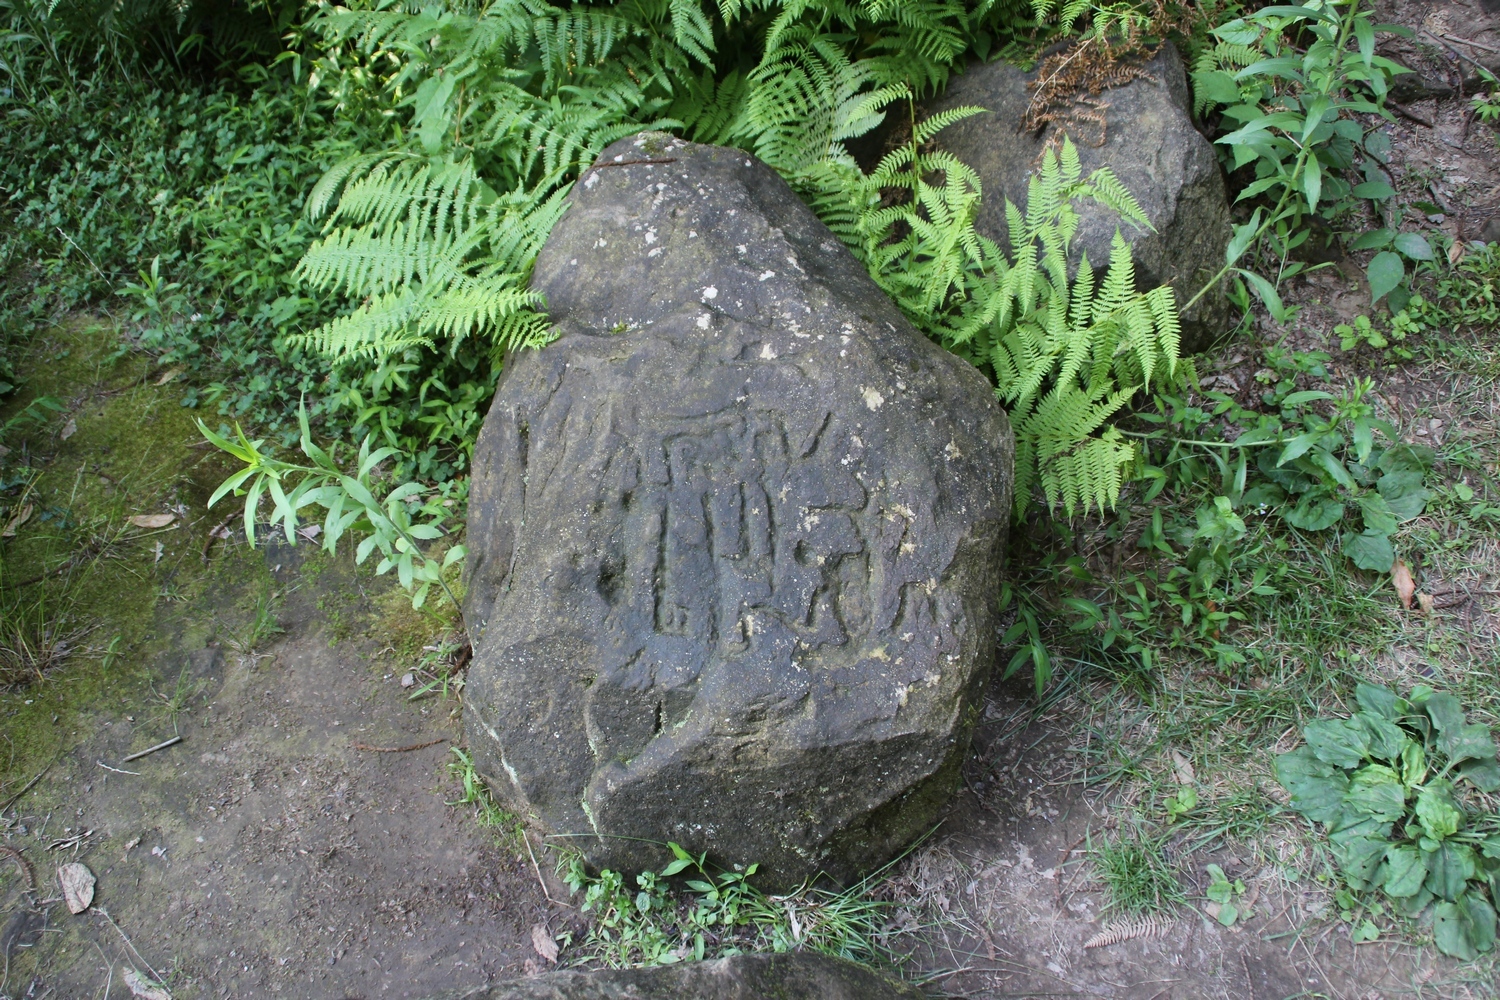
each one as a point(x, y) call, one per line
point(415, 746)
point(540, 881)
point(1472, 45)
point(1406, 113)
point(116, 769)
point(208, 543)
point(131, 945)
point(160, 746)
point(1440, 41)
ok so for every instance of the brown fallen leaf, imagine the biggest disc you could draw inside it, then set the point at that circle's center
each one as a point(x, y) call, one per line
point(1456, 252)
point(169, 376)
point(151, 520)
point(77, 886)
point(69, 429)
point(144, 989)
point(541, 940)
point(1183, 769)
point(21, 517)
point(1405, 585)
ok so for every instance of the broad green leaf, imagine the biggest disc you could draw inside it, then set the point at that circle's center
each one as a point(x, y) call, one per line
point(1482, 774)
point(1405, 870)
point(1267, 292)
point(1377, 514)
point(1385, 272)
point(1316, 787)
point(1295, 11)
point(1374, 239)
point(1300, 445)
point(1312, 181)
point(1376, 791)
point(1414, 246)
point(1286, 68)
point(1449, 869)
point(1375, 191)
point(1341, 742)
point(1387, 740)
point(1481, 922)
point(1469, 741)
point(1359, 859)
point(1244, 235)
point(1413, 765)
point(1237, 32)
point(1412, 906)
point(1403, 493)
point(1216, 86)
point(1380, 701)
point(1370, 551)
point(1406, 457)
point(1450, 931)
point(1305, 396)
point(231, 484)
point(1445, 711)
point(1437, 813)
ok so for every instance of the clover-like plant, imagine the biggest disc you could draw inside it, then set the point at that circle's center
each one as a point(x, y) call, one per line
point(1393, 786)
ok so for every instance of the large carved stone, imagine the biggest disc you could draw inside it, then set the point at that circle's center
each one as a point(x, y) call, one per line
point(735, 537)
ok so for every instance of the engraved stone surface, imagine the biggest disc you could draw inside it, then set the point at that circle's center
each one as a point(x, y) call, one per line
point(735, 538)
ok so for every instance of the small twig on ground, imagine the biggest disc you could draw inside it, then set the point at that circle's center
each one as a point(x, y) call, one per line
point(116, 769)
point(208, 543)
point(538, 868)
point(160, 746)
point(129, 944)
point(1467, 59)
point(1471, 44)
point(415, 746)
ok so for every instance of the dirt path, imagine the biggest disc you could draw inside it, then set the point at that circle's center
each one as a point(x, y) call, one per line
point(266, 854)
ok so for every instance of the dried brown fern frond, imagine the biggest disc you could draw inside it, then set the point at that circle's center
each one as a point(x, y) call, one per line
point(1129, 929)
point(1067, 83)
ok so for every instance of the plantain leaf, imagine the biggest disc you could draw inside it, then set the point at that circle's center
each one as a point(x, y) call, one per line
point(1341, 742)
point(1376, 791)
point(1405, 870)
point(1317, 787)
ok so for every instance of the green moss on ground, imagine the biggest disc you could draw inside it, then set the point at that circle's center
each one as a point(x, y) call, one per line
point(89, 601)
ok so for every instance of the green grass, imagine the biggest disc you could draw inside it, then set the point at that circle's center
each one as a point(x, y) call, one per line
point(1137, 877)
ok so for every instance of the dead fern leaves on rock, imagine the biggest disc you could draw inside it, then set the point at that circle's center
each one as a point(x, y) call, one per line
point(1068, 83)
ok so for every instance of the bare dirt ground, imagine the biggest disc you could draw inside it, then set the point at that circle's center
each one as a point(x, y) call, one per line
point(266, 854)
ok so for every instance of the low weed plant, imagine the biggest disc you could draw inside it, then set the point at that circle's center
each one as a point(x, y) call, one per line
point(718, 914)
point(1396, 789)
point(1288, 82)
